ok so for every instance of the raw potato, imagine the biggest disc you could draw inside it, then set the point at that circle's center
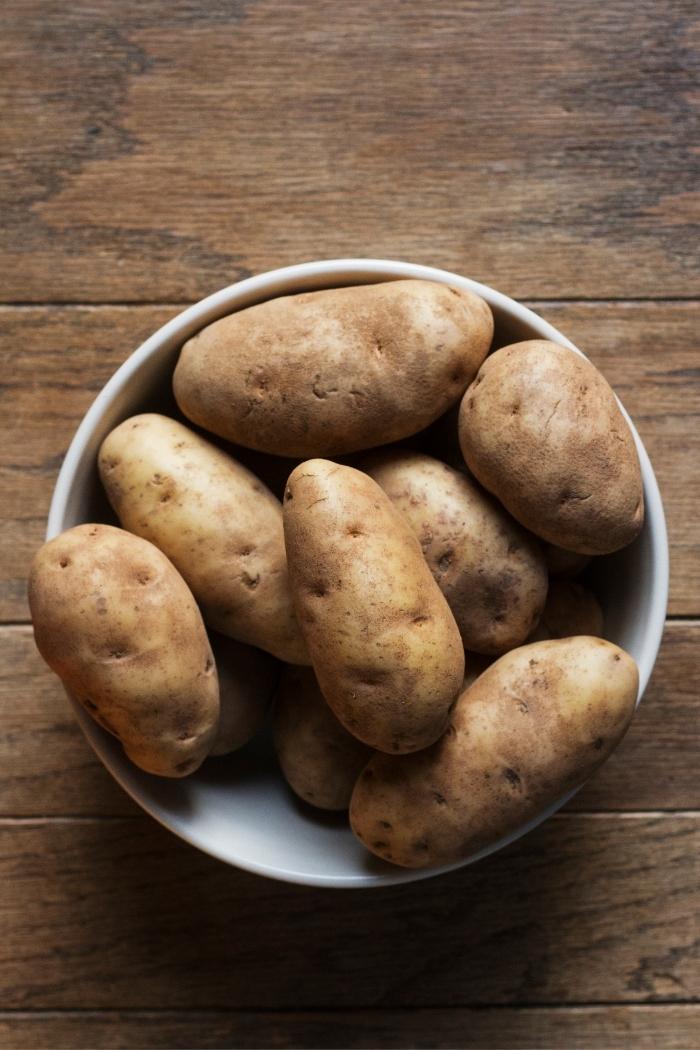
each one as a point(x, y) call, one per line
point(489, 569)
point(561, 562)
point(335, 371)
point(247, 680)
point(118, 624)
point(540, 428)
point(217, 522)
point(532, 727)
point(570, 609)
point(320, 760)
point(383, 642)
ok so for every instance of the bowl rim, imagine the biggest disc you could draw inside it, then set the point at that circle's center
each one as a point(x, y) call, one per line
point(258, 286)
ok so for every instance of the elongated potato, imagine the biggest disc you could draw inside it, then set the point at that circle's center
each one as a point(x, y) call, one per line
point(540, 428)
point(570, 609)
point(218, 524)
point(489, 569)
point(533, 726)
point(247, 681)
point(335, 371)
point(383, 642)
point(118, 624)
point(320, 760)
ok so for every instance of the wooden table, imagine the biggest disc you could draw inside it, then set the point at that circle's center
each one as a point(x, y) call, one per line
point(154, 152)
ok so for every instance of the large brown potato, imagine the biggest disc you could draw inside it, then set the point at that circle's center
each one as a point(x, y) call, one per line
point(487, 566)
point(320, 760)
point(118, 624)
point(540, 428)
point(247, 680)
point(217, 522)
point(533, 726)
point(334, 371)
point(383, 642)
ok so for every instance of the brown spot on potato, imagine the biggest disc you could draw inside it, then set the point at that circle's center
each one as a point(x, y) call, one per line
point(418, 620)
point(143, 577)
point(598, 743)
point(385, 824)
point(209, 665)
point(420, 846)
point(64, 562)
point(251, 582)
point(379, 844)
point(354, 531)
point(512, 777)
point(439, 798)
point(445, 560)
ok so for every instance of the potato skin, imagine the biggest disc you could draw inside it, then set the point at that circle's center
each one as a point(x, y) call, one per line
point(217, 522)
point(570, 609)
point(323, 373)
point(540, 428)
point(489, 569)
point(561, 562)
point(533, 726)
point(247, 680)
point(383, 642)
point(117, 623)
point(320, 760)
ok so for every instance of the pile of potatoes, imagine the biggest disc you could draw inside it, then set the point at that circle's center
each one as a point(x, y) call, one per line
point(438, 502)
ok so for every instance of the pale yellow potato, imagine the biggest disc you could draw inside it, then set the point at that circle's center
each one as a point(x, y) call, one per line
point(319, 759)
point(383, 642)
point(118, 624)
point(247, 681)
point(570, 609)
point(532, 727)
point(217, 522)
point(489, 568)
point(323, 373)
point(540, 428)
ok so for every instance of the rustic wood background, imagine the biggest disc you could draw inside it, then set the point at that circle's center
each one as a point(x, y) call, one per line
point(153, 152)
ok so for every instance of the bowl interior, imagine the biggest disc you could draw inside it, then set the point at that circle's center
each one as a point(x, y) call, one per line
point(238, 808)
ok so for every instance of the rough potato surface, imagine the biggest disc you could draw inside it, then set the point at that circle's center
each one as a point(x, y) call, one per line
point(383, 642)
point(540, 428)
point(118, 624)
point(489, 568)
point(320, 760)
point(247, 680)
point(215, 520)
point(533, 726)
point(323, 373)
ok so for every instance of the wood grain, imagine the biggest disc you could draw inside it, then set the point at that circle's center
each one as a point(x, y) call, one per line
point(576, 1028)
point(57, 359)
point(159, 152)
point(586, 909)
point(48, 769)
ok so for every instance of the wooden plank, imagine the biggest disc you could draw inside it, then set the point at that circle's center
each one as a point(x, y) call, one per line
point(104, 914)
point(576, 1028)
point(160, 151)
point(48, 769)
point(57, 359)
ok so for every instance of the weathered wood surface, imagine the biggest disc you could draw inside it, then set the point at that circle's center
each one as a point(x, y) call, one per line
point(57, 360)
point(488, 1028)
point(48, 769)
point(586, 909)
point(153, 153)
point(160, 151)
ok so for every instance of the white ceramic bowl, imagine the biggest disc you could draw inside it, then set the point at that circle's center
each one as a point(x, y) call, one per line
point(239, 809)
